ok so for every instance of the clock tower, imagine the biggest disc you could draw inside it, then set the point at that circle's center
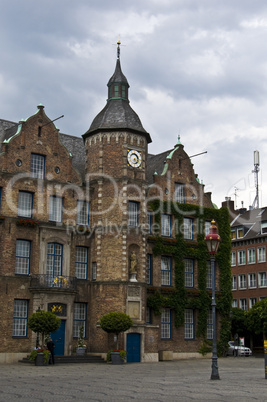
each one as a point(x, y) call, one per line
point(116, 149)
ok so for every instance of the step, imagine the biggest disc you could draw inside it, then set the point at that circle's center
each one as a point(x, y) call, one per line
point(71, 359)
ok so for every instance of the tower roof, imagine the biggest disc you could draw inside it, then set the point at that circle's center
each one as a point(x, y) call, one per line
point(117, 114)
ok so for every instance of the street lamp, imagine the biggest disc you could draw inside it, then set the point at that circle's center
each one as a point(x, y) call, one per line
point(213, 240)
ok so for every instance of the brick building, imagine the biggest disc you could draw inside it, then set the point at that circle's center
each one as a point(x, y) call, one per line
point(249, 266)
point(96, 224)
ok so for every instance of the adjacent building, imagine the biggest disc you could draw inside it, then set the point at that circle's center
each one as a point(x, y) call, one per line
point(96, 224)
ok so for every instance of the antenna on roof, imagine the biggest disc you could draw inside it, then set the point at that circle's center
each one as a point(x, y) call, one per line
point(236, 190)
point(256, 177)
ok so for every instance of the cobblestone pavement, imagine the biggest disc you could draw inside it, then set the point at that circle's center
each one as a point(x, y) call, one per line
point(242, 379)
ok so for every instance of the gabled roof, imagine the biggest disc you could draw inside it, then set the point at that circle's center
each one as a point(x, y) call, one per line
point(251, 221)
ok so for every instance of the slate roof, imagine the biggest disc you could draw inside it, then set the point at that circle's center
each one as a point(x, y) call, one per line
point(155, 163)
point(250, 221)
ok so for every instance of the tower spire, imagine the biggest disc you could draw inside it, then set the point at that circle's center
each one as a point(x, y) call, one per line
point(118, 47)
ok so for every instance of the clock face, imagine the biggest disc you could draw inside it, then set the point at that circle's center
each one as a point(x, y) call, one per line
point(134, 158)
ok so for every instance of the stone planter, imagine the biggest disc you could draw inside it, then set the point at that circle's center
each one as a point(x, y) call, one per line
point(80, 351)
point(116, 358)
point(39, 361)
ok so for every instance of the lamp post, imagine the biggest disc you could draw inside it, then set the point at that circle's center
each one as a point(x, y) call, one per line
point(213, 240)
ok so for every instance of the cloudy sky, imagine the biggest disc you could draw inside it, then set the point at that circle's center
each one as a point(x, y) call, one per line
point(196, 68)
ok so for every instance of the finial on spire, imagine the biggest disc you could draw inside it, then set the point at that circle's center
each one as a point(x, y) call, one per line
point(118, 47)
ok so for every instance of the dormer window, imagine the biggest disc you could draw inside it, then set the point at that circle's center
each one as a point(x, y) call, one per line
point(240, 233)
point(263, 227)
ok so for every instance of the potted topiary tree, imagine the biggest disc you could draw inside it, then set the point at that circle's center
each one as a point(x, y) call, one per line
point(43, 323)
point(116, 323)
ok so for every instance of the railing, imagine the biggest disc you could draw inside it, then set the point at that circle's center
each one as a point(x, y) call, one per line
point(56, 282)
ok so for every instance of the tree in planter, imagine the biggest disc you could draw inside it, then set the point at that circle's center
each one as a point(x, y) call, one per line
point(44, 322)
point(116, 323)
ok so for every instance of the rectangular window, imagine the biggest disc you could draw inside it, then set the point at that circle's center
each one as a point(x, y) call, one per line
point(81, 262)
point(209, 275)
point(148, 315)
point(37, 166)
point(54, 262)
point(240, 233)
point(55, 208)
point(233, 259)
point(188, 228)
point(209, 325)
point(149, 222)
point(133, 213)
point(233, 234)
point(252, 301)
point(166, 323)
point(262, 279)
point(261, 254)
point(207, 227)
point(166, 225)
point(241, 255)
point(165, 271)
point(243, 304)
point(234, 303)
point(263, 227)
point(189, 273)
point(20, 318)
point(23, 251)
point(94, 266)
point(82, 213)
point(25, 204)
point(242, 281)
point(189, 324)
point(179, 193)
point(252, 280)
point(149, 269)
point(234, 284)
point(79, 319)
point(251, 256)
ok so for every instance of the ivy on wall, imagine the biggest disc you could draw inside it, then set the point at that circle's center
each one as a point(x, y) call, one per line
point(179, 298)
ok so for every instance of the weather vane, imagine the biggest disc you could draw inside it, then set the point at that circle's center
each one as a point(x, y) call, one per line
point(118, 47)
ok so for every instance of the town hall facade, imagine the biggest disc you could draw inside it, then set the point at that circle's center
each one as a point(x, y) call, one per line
point(95, 224)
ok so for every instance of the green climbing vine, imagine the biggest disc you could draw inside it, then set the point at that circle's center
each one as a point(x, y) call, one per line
point(179, 298)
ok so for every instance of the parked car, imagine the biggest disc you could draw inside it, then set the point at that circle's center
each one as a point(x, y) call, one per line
point(238, 350)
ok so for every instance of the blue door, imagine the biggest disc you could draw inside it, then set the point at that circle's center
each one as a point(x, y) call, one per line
point(133, 348)
point(58, 338)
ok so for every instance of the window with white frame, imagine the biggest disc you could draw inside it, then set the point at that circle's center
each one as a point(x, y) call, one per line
point(252, 301)
point(243, 304)
point(242, 281)
point(79, 319)
point(37, 166)
point(251, 256)
point(188, 228)
point(262, 279)
point(207, 227)
point(20, 318)
point(149, 269)
point(241, 256)
point(240, 233)
point(133, 213)
point(233, 259)
point(55, 208)
point(82, 212)
point(261, 254)
point(23, 252)
point(209, 275)
point(94, 268)
point(189, 273)
point(81, 262)
point(25, 204)
point(165, 271)
point(166, 323)
point(252, 282)
point(233, 234)
point(189, 324)
point(179, 195)
point(263, 227)
point(234, 284)
point(54, 261)
point(166, 225)
point(234, 303)
point(209, 325)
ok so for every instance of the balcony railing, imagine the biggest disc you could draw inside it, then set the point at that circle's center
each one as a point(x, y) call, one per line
point(53, 282)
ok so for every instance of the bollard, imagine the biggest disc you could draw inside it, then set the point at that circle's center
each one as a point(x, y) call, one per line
point(265, 358)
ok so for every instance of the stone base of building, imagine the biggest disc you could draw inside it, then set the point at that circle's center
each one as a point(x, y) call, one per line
point(150, 358)
point(196, 355)
point(12, 357)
